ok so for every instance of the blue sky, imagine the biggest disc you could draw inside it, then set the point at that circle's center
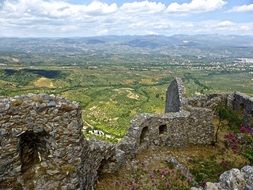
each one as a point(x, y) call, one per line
point(67, 18)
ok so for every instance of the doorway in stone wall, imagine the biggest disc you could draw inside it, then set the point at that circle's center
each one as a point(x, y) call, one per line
point(144, 135)
point(251, 118)
point(162, 129)
point(101, 167)
point(32, 147)
point(242, 107)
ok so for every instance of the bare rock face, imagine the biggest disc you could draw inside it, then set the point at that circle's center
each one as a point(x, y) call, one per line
point(183, 169)
point(247, 172)
point(211, 186)
point(233, 179)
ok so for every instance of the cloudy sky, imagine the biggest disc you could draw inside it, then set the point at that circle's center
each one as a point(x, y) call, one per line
point(47, 18)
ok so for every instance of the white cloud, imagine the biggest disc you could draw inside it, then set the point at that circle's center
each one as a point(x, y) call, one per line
point(226, 27)
point(224, 24)
point(62, 18)
point(141, 6)
point(196, 6)
point(56, 8)
point(242, 8)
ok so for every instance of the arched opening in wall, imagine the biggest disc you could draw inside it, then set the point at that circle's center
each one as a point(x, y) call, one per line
point(32, 147)
point(162, 129)
point(144, 135)
point(242, 106)
point(101, 168)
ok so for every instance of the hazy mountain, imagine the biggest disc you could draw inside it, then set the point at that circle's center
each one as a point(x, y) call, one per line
point(230, 45)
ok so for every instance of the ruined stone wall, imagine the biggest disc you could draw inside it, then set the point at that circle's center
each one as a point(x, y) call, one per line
point(42, 146)
point(244, 104)
point(100, 158)
point(41, 143)
point(175, 129)
point(200, 129)
point(174, 96)
point(209, 101)
point(185, 122)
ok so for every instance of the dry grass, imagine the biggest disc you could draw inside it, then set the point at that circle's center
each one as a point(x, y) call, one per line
point(44, 82)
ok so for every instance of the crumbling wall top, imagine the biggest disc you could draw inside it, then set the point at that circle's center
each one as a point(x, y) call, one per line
point(37, 102)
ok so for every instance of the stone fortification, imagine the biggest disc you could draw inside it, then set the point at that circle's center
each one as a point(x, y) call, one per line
point(243, 103)
point(100, 158)
point(42, 145)
point(173, 129)
point(210, 101)
point(183, 123)
point(174, 96)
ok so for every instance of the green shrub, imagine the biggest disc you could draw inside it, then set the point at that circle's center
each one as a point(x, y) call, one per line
point(234, 118)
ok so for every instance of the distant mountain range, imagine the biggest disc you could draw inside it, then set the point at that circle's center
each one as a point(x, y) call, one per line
point(155, 41)
point(184, 44)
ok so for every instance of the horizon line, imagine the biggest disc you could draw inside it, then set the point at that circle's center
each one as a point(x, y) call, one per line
point(130, 35)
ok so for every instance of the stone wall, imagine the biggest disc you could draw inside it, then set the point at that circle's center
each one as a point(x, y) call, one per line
point(175, 129)
point(210, 100)
point(185, 122)
point(244, 104)
point(174, 96)
point(100, 158)
point(43, 147)
point(41, 143)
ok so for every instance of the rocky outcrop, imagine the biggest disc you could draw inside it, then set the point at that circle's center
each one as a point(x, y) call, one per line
point(233, 179)
point(180, 167)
